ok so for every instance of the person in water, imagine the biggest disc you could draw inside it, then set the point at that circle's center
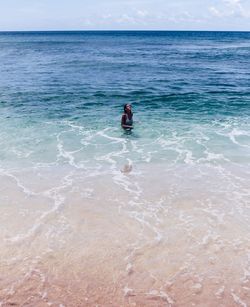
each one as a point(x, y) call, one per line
point(127, 117)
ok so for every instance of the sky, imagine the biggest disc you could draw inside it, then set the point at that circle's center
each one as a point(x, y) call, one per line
point(228, 15)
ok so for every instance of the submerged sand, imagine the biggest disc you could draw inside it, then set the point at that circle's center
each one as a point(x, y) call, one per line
point(124, 239)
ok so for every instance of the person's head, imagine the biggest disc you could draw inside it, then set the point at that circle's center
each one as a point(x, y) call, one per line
point(127, 107)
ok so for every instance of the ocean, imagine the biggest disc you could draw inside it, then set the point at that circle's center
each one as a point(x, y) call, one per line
point(91, 215)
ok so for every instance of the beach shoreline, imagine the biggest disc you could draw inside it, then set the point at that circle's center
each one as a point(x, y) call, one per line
point(93, 216)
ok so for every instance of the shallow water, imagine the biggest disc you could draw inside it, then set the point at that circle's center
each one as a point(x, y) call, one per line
point(91, 215)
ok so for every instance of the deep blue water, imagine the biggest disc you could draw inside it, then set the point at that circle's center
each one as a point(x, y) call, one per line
point(65, 74)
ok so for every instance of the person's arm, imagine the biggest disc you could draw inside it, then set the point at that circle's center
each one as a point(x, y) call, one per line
point(123, 123)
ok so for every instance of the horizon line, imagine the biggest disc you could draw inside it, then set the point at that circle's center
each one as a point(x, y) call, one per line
point(114, 30)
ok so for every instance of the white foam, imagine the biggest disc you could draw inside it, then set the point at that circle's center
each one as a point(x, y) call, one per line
point(162, 295)
point(58, 199)
point(220, 292)
point(237, 132)
point(128, 291)
point(238, 300)
point(27, 191)
point(68, 155)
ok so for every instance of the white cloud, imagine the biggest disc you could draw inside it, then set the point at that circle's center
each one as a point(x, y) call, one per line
point(125, 18)
point(125, 14)
point(232, 2)
point(231, 8)
point(106, 16)
point(142, 13)
point(214, 11)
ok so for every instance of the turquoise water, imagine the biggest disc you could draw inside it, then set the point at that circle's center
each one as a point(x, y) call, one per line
point(188, 89)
